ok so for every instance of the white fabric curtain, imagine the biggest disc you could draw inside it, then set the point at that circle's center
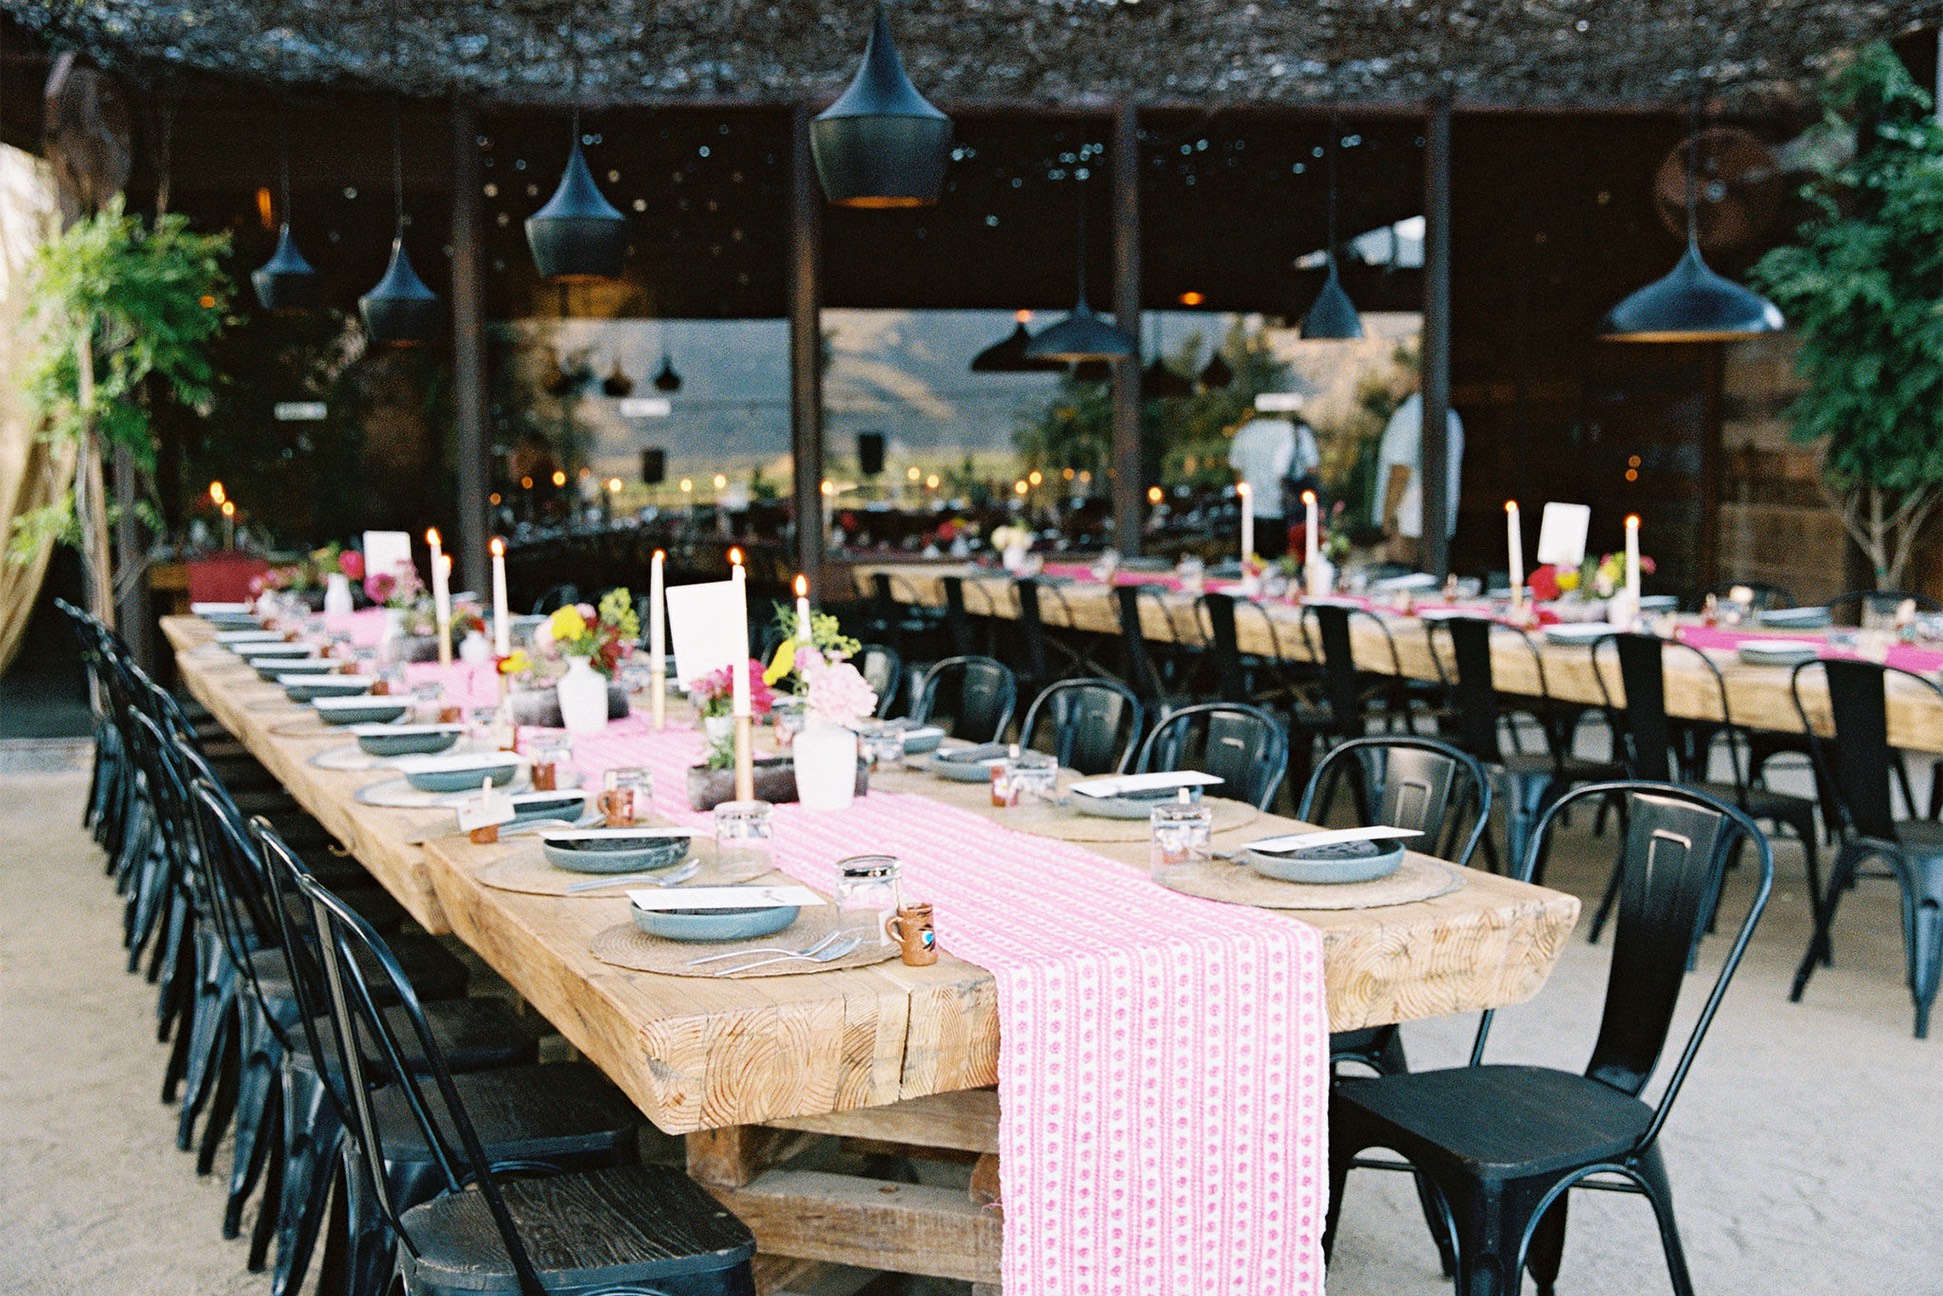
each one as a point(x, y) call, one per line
point(30, 476)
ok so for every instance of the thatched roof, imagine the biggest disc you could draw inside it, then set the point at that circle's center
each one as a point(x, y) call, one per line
point(1066, 52)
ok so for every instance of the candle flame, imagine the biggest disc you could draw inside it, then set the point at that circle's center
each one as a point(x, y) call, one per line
point(229, 508)
point(1308, 497)
point(735, 557)
point(661, 555)
point(216, 495)
point(1511, 506)
point(1632, 520)
point(498, 547)
point(802, 586)
point(432, 536)
point(1244, 490)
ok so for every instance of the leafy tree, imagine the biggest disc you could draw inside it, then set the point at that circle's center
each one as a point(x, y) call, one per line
point(1863, 287)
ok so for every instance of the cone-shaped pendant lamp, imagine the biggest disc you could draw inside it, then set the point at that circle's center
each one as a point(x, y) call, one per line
point(617, 384)
point(286, 282)
point(1007, 355)
point(400, 310)
point(881, 144)
point(1160, 381)
point(1331, 315)
point(1691, 302)
point(1081, 335)
point(666, 380)
point(1216, 373)
point(579, 235)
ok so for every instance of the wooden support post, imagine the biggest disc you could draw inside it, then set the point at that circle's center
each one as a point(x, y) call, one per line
point(473, 450)
point(1435, 550)
point(805, 295)
point(1129, 490)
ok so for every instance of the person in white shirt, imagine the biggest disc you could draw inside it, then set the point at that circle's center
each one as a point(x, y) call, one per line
point(1399, 504)
point(1266, 453)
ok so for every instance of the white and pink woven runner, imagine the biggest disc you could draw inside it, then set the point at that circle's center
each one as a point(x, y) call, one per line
point(1163, 1060)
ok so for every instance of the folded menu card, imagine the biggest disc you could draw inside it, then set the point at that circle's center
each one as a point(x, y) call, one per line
point(1310, 840)
point(724, 897)
point(1134, 784)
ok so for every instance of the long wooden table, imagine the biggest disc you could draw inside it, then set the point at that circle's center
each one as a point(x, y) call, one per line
point(752, 1070)
point(1757, 696)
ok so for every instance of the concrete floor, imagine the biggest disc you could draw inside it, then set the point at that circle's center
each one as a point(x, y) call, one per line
point(1806, 1151)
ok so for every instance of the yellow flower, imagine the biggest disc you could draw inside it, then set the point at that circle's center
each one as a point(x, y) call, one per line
point(782, 663)
point(567, 623)
point(517, 664)
point(1568, 580)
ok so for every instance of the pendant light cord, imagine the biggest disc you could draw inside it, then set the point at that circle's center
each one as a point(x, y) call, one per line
point(573, 64)
point(397, 130)
point(1693, 128)
point(1080, 188)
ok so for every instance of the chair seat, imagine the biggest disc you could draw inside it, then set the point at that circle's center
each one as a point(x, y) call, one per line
point(1921, 840)
point(1498, 1122)
point(625, 1226)
point(472, 1035)
point(524, 1113)
point(1759, 802)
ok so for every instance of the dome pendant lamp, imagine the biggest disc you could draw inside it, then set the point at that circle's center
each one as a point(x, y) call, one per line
point(578, 236)
point(1332, 316)
point(286, 282)
point(1081, 335)
point(666, 380)
point(1692, 302)
point(400, 310)
point(881, 144)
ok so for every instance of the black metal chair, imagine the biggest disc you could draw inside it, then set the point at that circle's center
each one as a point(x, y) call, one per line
point(1879, 602)
point(900, 618)
point(1353, 698)
point(968, 697)
point(958, 623)
point(1502, 1146)
point(1244, 746)
point(1533, 780)
point(1654, 752)
point(1033, 668)
point(883, 670)
point(1151, 676)
point(584, 1217)
point(1095, 725)
point(1857, 763)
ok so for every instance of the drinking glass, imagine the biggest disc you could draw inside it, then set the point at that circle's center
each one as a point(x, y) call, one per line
point(743, 830)
point(550, 755)
point(1034, 778)
point(634, 789)
point(867, 892)
point(427, 701)
point(1179, 837)
point(884, 745)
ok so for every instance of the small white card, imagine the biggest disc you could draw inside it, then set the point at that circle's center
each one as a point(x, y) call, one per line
point(486, 807)
point(1113, 787)
point(1561, 534)
point(724, 897)
point(384, 551)
point(1309, 840)
point(705, 628)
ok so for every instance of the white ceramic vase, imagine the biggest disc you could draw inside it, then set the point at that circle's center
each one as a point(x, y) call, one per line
point(337, 594)
point(583, 698)
point(826, 765)
point(474, 650)
point(391, 644)
point(1013, 557)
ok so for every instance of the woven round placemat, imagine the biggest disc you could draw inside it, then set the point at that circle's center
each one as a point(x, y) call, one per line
point(521, 865)
point(629, 947)
point(308, 727)
point(1420, 878)
point(1062, 823)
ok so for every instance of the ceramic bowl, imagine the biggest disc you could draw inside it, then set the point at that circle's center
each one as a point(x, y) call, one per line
point(616, 850)
point(252, 650)
point(1778, 652)
point(269, 668)
point(569, 805)
point(308, 688)
point(361, 709)
point(242, 641)
point(1355, 861)
point(1131, 807)
point(1578, 632)
point(405, 740)
point(714, 924)
point(1806, 618)
point(967, 764)
point(920, 740)
point(460, 773)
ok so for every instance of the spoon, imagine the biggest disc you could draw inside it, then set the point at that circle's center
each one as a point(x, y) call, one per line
point(676, 878)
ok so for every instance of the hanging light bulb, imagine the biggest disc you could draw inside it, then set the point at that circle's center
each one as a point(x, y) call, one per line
point(1159, 380)
point(400, 310)
point(1082, 335)
point(881, 144)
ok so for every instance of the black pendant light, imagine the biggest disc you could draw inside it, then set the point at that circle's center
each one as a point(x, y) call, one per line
point(1007, 355)
point(617, 384)
point(286, 282)
point(1216, 373)
point(578, 236)
point(400, 310)
point(666, 380)
point(1160, 380)
point(1691, 302)
point(881, 144)
point(1331, 315)
point(1081, 335)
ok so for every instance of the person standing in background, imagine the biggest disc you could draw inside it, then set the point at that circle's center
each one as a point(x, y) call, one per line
point(1268, 454)
point(1398, 507)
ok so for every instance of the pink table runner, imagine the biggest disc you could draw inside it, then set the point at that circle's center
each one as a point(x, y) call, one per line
point(1922, 661)
point(1163, 1065)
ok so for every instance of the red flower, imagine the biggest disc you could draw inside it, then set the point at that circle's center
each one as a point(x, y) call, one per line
point(351, 563)
point(1544, 583)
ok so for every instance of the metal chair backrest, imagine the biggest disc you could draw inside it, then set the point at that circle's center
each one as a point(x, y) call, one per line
point(1678, 844)
point(969, 697)
point(1857, 761)
point(239, 899)
point(1243, 745)
point(1880, 602)
point(360, 972)
point(883, 670)
point(1096, 725)
point(1141, 672)
point(958, 626)
point(1476, 691)
point(1342, 682)
point(556, 598)
point(1032, 630)
point(1217, 612)
point(1440, 790)
point(1647, 731)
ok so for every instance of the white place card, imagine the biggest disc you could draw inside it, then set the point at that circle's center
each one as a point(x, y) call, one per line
point(1561, 534)
point(1113, 787)
point(1291, 842)
point(705, 628)
point(567, 835)
point(384, 551)
point(724, 897)
point(487, 807)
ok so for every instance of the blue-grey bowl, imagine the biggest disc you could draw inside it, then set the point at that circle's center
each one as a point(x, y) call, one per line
point(1128, 807)
point(407, 740)
point(714, 924)
point(366, 709)
point(613, 851)
point(966, 764)
point(569, 804)
point(310, 687)
point(464, 773)
point(268, 668)
point(1356, 861)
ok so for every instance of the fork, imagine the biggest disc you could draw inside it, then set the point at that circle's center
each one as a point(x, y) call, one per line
point(663, 879)
point(801, 953)
point(828, 954)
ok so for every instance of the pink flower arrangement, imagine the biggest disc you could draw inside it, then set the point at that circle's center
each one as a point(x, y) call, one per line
point(714, 692)
point(837, 693)
point(351, 564)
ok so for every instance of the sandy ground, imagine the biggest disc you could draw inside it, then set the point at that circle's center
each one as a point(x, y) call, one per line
point(1806, 1151)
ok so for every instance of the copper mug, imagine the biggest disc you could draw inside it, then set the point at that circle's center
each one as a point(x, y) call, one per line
point(616, 806)
point(910, 927)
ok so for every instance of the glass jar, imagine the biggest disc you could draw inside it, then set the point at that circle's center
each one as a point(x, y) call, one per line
point(867, 892)
point(551, 756)
point(627, 797)
point(1035, 778)
point(743, 830)
point(428, 700)
point(1180, 836)
point(789, 714)
point(883, 746)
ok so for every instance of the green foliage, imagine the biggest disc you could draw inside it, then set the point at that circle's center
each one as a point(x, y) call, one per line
point(826, 632)
point(147, 303)
point(616, 609)
point(1862, 285)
